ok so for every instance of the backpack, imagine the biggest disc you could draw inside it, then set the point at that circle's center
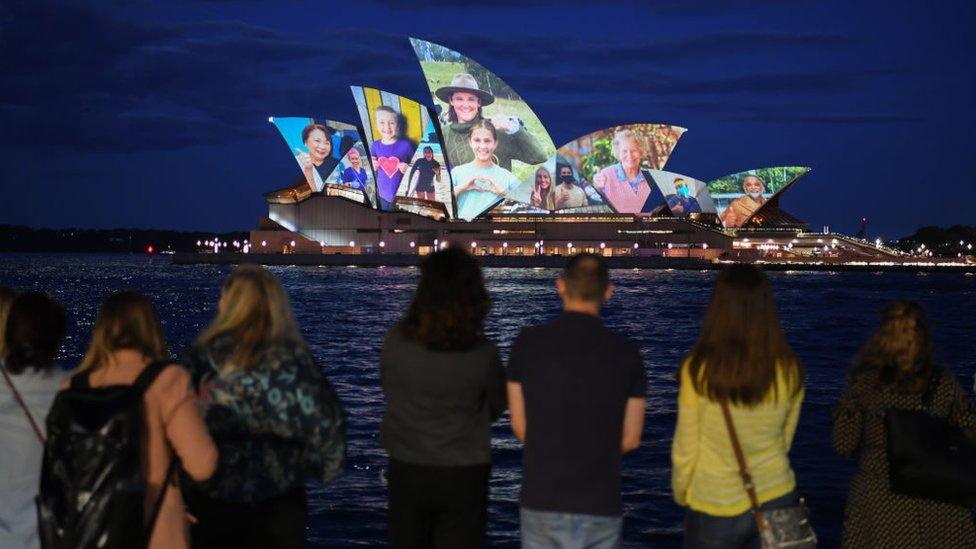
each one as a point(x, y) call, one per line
point(92, 489)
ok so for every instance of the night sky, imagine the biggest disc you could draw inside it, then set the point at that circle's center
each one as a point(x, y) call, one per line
point(154, 115)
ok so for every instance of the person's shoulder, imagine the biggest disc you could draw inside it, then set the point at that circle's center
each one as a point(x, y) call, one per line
point(172, 381)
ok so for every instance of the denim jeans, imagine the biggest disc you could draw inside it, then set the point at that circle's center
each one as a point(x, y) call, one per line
point(545, 530)
point(703, 531)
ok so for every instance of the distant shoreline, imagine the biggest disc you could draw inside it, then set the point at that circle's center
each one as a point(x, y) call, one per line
point(549, 261)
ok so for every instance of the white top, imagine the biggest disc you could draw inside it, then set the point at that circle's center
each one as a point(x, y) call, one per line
point(472, 202)
point(20, 458)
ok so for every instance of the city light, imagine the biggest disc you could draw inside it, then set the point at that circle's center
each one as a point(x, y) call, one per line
point(382, 244)
point(603, 245)
point(412, 244)
point(352, 244)
point(474, 245)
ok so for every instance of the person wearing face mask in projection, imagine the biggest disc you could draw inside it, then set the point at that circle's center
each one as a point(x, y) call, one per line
point(682, 203)
point(744, 206)
point(567, 193)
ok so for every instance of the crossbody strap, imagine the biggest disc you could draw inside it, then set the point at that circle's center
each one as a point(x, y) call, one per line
point(743, 470)
point(23, 405)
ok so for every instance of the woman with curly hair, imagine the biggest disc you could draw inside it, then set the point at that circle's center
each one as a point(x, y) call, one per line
point(893, 370)
point(444, 386)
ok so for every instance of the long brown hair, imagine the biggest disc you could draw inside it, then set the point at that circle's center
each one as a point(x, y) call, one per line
point(126, 320)
point(254, 311)
point(900, 351)
point(449, 309)
point(742, 346)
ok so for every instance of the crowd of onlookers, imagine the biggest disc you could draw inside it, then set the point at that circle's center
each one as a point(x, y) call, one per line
point(221, 445)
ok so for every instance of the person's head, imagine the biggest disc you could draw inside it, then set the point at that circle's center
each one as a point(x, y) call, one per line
point(464, 98)
point(742, 347)
point(428, 153)
point(543, 181)
point(253, 311)
point(126, 321)
point(355, 158)
point(318, 140)
point(753, 185)
point(681, 187)
point(7, 296)
point(900, 351)
point(585, 283)
point(35, 327)
point(564, 174)
point(483, 140)
point(388, 123)
point(449, 309)
point(626, 148)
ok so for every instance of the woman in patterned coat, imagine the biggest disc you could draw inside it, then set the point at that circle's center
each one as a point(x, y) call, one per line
point(892, 371)
point(274, 417)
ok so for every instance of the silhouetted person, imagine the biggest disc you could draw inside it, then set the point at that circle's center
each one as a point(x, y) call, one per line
point(274, 417)
point(444, 386)
point(576, 398)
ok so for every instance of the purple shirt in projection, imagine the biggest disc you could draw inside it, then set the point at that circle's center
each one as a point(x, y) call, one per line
point(388, 177)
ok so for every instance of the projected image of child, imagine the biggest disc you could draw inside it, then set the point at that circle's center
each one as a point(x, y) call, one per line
point(391, 153)
point(355, 175)
point(481, 183)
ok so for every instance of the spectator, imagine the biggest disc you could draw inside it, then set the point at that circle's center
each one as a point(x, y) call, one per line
point(742, 359)
point(32, 326)
point(444, 386)
point(893, 370)
point(273, 415)
point(576, 397)
point(127, 349)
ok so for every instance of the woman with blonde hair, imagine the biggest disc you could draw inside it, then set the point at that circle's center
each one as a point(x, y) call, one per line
point(127, 358)
point(741, 363)
point(894, 369)
point(274, 416)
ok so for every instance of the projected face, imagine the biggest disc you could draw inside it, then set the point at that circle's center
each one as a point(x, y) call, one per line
point(628, 152)
point(753, 186)
point(387, 124)
point(319, 145)
point(566, 175)
point(465, 106)
point(355, 159)
point(483, 145)
point(542, 178)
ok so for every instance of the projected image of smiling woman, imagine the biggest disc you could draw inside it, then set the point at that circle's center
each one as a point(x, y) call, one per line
point(317, 163)
point(465, 103)
point(481, 183)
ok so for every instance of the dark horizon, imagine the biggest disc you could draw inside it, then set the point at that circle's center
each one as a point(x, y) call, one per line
point(155, 116)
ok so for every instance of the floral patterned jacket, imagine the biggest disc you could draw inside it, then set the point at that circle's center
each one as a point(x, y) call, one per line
point(274, 424)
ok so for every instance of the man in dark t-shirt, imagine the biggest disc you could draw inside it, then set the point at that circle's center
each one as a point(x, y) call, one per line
point(427, 169)
point(576, 398)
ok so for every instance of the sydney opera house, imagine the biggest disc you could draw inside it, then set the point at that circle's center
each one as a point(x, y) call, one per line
point(476, 167)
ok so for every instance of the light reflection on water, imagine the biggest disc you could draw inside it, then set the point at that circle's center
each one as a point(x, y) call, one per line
point(345, 312)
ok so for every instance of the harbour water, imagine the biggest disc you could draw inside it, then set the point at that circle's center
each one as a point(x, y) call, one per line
point(344, 313)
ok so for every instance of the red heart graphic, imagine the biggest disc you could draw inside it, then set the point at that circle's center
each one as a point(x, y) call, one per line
point(389, 164)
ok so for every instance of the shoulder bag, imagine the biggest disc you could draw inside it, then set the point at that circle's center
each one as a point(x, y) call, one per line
point(929, 456)
point(778, 528)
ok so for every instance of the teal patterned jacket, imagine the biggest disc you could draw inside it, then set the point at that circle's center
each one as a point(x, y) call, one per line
point(274, 424)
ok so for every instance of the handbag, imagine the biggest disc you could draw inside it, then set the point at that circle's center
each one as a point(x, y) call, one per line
point(928, 456)
point(778, 528)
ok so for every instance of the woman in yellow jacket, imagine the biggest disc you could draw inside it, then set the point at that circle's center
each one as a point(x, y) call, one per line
point(743, 358)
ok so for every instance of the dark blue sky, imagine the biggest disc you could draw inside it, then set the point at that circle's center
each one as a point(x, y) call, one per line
point(155, 115)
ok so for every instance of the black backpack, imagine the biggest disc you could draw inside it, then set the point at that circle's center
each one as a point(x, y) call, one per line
point(92, 489)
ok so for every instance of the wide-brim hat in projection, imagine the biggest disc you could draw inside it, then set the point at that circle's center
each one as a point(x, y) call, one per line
point(464, 82)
